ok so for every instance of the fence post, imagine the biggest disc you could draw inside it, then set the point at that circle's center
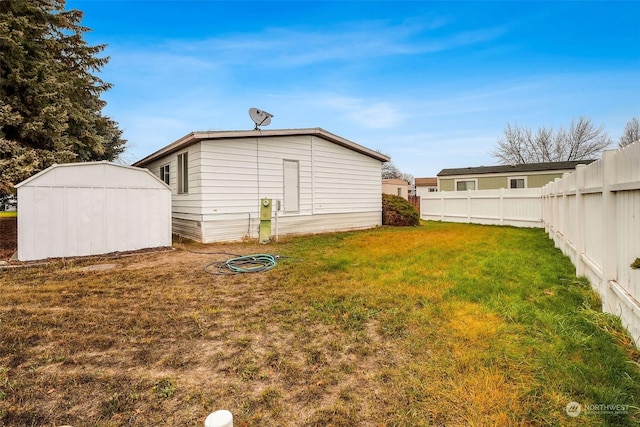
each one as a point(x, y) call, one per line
point(609, 269)
point(543, 198)
point(564, 183)
point(579, 219)
point(553, 211)
point(546, 208)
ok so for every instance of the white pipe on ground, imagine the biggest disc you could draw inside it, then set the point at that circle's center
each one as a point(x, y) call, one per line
point(221, 418)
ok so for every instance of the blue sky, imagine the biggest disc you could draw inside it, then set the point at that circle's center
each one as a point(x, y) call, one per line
point(432, 84)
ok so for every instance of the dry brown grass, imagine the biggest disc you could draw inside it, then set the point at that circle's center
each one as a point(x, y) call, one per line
point(157, 341)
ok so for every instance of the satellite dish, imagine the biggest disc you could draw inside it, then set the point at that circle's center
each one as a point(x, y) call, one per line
point(260, 117)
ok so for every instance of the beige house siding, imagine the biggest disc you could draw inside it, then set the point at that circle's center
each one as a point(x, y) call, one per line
point(447, 184)
point(542, 180)
point(396, 187)
point(534, 180)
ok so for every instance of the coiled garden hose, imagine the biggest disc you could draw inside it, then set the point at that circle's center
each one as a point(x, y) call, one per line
point(257, 263)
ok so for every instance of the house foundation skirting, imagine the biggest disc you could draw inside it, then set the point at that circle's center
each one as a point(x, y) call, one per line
point(238, 227)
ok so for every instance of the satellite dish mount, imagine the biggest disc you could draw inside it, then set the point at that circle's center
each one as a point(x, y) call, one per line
point(260, 117)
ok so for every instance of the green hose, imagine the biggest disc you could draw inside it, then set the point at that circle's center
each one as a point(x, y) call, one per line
point(243, 264)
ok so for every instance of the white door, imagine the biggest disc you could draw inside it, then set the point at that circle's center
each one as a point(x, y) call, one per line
point(291, 186)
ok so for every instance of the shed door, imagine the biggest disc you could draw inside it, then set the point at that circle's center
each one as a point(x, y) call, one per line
point(291, 186)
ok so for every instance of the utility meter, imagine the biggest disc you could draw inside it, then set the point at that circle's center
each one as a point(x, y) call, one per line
point(265, 220)
point(265, 209)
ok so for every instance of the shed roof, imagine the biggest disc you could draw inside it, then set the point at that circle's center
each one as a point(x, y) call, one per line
point(195, 137)
point(528, 167)
point(101, 174)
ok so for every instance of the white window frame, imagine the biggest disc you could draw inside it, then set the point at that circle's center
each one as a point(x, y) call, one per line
point(474, 180)
point(183, 173)
point(165, 173)
point(516, 177)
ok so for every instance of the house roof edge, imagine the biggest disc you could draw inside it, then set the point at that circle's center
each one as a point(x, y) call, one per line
point(194, 137)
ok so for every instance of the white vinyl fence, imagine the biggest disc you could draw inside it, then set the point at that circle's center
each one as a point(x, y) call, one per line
point(518, 207)
point(593, 216)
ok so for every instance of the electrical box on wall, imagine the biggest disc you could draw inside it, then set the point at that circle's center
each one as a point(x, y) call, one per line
point(266, 206)
point(265, 209)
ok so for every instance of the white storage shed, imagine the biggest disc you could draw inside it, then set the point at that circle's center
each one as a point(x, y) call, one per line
point(92, 208)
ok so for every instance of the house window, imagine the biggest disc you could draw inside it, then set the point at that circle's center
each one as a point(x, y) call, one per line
point(400, 191)
point(462, 185)
point(164, 174)
point(518, 182)
point(183, 173)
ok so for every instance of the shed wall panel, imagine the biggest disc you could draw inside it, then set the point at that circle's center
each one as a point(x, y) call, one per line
point(64, 216)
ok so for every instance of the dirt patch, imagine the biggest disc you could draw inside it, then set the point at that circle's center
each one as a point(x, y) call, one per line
point(8, 237)
point(99, 267)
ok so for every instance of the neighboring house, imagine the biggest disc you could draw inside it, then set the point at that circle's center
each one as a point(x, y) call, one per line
point(426, 185)
point(530, 175)
point(396, 187)
point(318, 182)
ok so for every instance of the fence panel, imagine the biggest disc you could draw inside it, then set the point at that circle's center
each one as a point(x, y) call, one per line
point(517, 207)
point(415, 201)
point(628, 224)
point(595, 237)
point(593, 216)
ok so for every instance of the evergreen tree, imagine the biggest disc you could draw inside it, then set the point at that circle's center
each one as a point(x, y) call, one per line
point(50, 106)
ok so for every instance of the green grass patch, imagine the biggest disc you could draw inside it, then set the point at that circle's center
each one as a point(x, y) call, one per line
point(8, 214)
point(492, 324)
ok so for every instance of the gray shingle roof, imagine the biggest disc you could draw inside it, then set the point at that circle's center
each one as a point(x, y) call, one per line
point(528, 167)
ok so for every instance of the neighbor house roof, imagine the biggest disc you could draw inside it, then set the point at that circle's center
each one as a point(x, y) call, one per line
point(528, 167)
point(195, 137)
point(395, 181)
point(426, 182)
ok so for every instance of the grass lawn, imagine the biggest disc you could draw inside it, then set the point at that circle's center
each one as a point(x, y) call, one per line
point(442, 324)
